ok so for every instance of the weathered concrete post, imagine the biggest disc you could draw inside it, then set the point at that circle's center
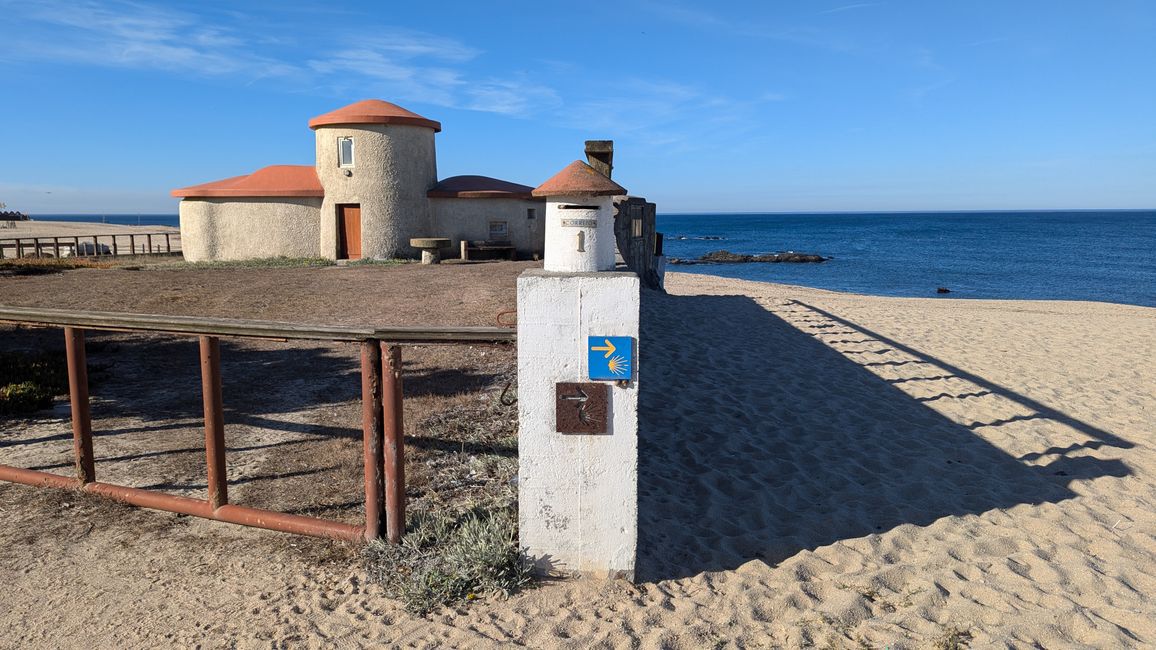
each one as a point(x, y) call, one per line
point(577, 387)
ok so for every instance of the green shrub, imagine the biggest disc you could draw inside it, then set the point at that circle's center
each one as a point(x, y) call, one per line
point(445, 558)
point(28, 382)
point(24, 397)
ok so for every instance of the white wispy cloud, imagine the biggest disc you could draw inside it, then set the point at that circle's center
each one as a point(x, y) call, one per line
point(128, 34)
point(400, 78)
point(403, 64)
point(989, 41)
point(850, 7)
point(793, 33)
point(667, 117)
point(516, 96)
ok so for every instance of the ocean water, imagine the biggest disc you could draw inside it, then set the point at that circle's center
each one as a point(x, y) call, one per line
point(1087, 255)
point(118, 219)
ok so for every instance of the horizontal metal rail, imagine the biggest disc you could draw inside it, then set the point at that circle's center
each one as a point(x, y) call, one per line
point(115, 321)
point(382, 425)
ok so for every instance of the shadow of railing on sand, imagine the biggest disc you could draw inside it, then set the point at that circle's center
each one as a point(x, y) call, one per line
point(757, 441)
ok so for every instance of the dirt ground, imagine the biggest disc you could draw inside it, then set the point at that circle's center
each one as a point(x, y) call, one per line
point(369, 294)
point(292, 429)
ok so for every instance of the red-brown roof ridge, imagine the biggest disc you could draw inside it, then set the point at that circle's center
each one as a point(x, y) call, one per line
point(373, 111)
point(579, 179)
point(479, 187)
point(274, 180)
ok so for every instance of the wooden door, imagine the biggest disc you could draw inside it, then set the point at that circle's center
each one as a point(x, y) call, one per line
point(349, 232)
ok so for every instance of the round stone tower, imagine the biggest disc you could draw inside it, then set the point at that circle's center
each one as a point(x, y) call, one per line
point(376, 162)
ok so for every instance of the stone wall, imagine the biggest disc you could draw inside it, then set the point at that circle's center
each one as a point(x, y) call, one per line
point(638, 251)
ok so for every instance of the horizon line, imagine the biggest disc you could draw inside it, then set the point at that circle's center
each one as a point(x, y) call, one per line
point(688, 212)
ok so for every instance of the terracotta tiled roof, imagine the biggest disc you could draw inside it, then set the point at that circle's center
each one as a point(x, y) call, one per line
point(579, 179)
point(373, 111)
point(274, 180)
point(478, 187)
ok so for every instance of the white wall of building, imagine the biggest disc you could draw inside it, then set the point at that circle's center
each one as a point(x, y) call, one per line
point(470, 219)
point(249, 228)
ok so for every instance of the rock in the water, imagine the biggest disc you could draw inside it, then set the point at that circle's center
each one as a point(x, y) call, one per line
point(727, 257)
point(942, 290)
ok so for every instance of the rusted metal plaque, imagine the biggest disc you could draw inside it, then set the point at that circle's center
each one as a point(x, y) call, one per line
point(582, 408)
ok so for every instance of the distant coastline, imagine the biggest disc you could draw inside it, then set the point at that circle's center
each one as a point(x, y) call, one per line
point(141, 219)
point(904, 212)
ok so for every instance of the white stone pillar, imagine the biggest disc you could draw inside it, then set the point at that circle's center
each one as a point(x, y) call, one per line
point(578, 435)
point(577, 493)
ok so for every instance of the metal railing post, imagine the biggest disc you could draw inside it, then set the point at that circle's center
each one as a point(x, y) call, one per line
point(218, 485)
point(394, 444)
point(372, 437)
point(78, 397)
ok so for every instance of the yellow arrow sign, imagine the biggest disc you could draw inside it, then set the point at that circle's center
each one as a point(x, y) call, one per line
point(608, 348)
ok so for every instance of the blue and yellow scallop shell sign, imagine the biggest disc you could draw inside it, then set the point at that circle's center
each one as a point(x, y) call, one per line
point(610, 358)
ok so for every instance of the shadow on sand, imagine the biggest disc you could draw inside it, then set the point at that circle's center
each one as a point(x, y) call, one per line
point(757, 440)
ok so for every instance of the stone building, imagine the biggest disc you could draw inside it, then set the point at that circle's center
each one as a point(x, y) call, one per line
point(374, 187)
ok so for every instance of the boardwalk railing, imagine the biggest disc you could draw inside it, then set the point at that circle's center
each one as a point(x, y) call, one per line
point(381, 410)
point(146, 243)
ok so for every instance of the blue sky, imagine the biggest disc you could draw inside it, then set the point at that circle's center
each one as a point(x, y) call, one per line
point(721, 106)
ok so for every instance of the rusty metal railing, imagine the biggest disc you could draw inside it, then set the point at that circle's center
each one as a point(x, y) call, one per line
point(381, 398)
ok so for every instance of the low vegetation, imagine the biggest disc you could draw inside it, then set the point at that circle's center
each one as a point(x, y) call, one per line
point(369, 261)
point(29, 382)
point(261, 263)
point(446, 557)
point(43, 265)
point(461, 539)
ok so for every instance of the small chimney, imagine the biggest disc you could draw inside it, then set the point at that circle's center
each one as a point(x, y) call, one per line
point(600, 155)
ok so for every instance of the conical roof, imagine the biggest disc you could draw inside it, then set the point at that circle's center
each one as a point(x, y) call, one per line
point(579, 179)
point(373, 111)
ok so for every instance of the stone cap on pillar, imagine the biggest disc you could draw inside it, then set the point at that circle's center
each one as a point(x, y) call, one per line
point(579, 179)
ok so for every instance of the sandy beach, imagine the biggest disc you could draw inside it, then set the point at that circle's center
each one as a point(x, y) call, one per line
point(815, 469)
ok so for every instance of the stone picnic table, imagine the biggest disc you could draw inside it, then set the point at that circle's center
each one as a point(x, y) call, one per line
point(430, 248)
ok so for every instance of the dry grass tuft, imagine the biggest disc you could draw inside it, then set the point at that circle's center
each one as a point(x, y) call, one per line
point(44, 265)
point(953, 638)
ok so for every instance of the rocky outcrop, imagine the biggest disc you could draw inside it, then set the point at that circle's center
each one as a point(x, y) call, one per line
point(727, 257)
